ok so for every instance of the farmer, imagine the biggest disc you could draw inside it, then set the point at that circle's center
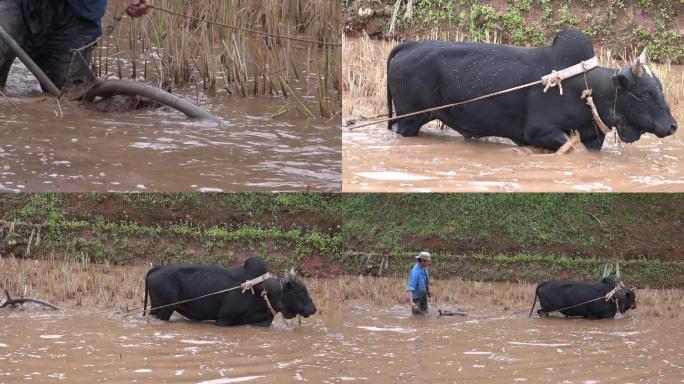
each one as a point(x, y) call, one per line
point(50, 30)
point(418, 288)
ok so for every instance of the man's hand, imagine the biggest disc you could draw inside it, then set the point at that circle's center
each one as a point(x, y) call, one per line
point(137, 8)
point(412, 305)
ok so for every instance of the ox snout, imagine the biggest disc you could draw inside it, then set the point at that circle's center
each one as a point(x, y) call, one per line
point(310, 311)
point(633, 306)
point(666, 129)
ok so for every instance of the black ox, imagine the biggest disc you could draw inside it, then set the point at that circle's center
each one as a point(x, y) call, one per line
point(573, 298)
point(174, 283)
point(422, 75)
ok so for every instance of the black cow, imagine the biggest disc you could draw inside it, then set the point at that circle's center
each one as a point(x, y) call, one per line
point(173, 283)
point(566, 296)
point(422, 75)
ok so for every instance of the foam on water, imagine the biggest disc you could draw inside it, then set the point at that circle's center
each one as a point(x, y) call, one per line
point(231, 380)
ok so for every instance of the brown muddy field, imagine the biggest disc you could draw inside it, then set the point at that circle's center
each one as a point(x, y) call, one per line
point(361, 334)
point(361, 343)
point(45, 149)
point(378, 160)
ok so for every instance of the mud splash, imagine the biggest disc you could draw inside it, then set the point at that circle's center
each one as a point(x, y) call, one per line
point(363, 345)
point(46, 147)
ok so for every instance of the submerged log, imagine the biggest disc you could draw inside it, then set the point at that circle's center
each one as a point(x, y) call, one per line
point(20, 300)
point(109, 88)
point(446, 312)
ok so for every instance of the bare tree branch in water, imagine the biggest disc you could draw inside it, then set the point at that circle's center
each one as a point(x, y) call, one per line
point(20, 300)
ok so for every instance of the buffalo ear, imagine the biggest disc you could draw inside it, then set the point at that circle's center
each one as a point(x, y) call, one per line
point(620, 81)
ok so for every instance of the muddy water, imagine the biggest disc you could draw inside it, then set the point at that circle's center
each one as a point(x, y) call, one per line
point(376, 159)
point(441, 161)
point(357, 344)
point(161, 150)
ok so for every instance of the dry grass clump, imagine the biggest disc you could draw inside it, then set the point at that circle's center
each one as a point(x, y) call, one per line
point(73, 282)
point(178, 51)
point(365, 78)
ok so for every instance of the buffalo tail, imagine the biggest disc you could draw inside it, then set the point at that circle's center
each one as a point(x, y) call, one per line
point(536, 293)
point(394, 51)
point(145, 293)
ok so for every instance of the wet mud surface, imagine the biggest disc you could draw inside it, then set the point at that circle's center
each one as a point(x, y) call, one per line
point(358, 343)
point(376, 159)
point(46, 147)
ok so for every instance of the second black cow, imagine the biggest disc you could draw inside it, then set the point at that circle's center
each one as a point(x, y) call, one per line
point(587, 300)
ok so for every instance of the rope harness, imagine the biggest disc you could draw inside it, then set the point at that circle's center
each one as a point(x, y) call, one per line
point(608, 297)
point(246, 286)
point(554, 79)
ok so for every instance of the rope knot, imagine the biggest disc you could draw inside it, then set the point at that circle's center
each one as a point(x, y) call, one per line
point(247, 286)
point(554, 80)
point(610, 294)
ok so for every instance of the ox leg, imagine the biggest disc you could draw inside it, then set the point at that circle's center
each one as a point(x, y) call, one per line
point(596, 143)
point(552, 138)
point(409, 127)
point(224, 322)
point(163, 313)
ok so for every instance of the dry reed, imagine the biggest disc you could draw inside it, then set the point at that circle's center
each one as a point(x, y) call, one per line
point(75, 282)
point(177, 52)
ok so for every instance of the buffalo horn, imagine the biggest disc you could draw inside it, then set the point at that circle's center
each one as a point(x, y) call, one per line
point(638, 65)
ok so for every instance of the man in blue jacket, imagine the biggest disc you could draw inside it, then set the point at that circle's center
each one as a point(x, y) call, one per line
point(50, 30)
point(418, 288)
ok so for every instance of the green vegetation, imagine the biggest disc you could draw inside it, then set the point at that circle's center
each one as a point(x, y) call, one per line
point(611, 23)
point(520, 236)
point(527, 237)
point(284, 229)
point(556, 222)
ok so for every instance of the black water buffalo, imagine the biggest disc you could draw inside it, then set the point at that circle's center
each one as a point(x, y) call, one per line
point(427, 74)
point(173, 283)
point(566, 296)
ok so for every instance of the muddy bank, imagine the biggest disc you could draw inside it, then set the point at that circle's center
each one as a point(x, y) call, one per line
point(601, 226)
point(510, 237)
point(656, 24)
point(318, 211)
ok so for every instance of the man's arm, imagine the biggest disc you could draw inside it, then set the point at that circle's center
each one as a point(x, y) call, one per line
point(137, 8)
point(413, 282)
point(409, 296)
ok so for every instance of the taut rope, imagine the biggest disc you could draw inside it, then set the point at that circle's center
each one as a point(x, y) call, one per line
point(247, 285)
point(549, 81)
point(607, 297)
